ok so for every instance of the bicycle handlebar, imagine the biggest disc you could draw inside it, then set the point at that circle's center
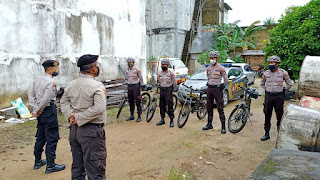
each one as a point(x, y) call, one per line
point(194, 90)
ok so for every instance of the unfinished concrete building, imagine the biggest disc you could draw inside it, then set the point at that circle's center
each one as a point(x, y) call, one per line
point(174, 27)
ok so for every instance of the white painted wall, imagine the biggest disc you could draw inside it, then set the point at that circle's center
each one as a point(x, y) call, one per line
point(33, 31)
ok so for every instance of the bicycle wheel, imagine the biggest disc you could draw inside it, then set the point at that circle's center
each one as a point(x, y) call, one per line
point(238, 119)
point(122, 103)
point(202, 110)
point(151, 110)
point(175, 101)
point(145, 101)
point(184, 114)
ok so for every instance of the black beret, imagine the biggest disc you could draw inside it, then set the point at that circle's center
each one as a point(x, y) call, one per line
point(87, 59)
point(50, 63)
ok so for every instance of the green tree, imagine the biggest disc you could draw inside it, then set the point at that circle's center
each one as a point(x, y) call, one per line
point(269, 21)
point(227, 37)
point(296, 35)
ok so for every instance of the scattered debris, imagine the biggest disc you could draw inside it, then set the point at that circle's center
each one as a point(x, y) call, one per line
point(200, 157)
point(208, 163)
point(15, 120)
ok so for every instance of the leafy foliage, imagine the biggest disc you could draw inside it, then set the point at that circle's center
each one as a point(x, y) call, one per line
point(269, 21)
point(176, 175)
point(228, 37)
point(296, 35)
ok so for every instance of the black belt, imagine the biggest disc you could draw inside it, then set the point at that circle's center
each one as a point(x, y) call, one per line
point(96, 124)
point(213, 86)
point(274, 93)
point(132, 85)
point(166, 88)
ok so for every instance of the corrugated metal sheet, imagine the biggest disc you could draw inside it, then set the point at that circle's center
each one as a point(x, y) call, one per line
point(253, 52)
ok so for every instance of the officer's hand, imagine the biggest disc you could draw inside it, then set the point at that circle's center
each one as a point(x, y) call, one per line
point(72, 116)
point(34, 115)
point(73, 122)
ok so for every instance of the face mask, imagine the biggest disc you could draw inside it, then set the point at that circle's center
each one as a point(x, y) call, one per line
point(272, 67)
point(130, 65)
point(164, 68)
point(98, 71)
point(55, 73)
point(213, 61)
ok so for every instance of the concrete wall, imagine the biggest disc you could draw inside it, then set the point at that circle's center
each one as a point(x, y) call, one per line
point(34, 31)
point(167, 23)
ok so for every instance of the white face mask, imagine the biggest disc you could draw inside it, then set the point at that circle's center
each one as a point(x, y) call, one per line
point(213, 61)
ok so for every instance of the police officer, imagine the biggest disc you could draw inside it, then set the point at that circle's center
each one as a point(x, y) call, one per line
point(168, 83)
point(84, 104)
point(42, 98)
point(272, 82)
point(134, 93)
point(215, 90)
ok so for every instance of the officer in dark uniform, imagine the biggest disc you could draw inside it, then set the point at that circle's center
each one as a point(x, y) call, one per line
point(272, 82)
point(42, 98)
point(135, 80)
point(84, 104)
point(168, 83)
point(215, 90)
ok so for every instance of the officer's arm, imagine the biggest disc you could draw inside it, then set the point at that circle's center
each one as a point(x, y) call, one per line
point(48, 94)
point(225, 76)
point(140, 77)
point(96, 110)
point(288, 81)
point(263, 82)
point(65, 104)
point(174, 80)
point(32, 96)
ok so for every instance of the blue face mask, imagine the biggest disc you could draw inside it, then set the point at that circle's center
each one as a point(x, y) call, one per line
point(272, 67)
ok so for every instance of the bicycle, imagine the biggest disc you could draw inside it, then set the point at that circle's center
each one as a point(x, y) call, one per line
point(238, 117)
point(145, 99)
point(155, 103)
point(194, 102)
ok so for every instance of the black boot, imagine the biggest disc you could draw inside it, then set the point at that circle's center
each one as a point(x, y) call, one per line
point(223, 127)
point(53, 167)
point(266, 136)
point(208, 126)
point(161, 122)
point(131, 117)
point(139, 118)
point(171, 123)
point(39, 162)
point(278, 128)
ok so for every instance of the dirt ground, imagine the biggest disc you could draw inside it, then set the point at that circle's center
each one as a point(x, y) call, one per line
point(146, 151)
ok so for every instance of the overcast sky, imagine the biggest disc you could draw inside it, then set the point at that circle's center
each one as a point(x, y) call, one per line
point(249, 11)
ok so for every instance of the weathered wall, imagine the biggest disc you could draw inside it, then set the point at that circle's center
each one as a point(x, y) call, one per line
point(255, 61)
point(33, 31)
point(261, 37)
point(167, 23)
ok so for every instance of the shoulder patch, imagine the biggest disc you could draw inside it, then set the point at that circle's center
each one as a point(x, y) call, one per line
point(105, 92)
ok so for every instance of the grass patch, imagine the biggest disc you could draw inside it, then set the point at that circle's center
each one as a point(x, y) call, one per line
point(180, 175)
point(186, 144)
point(270, 166)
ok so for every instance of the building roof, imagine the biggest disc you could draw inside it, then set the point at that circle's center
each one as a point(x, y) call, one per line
point(226, 5)
point(253, 52)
